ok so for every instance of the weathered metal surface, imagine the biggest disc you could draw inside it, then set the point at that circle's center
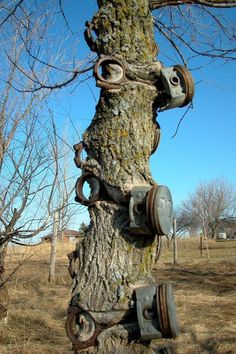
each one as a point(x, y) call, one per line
point(116, 72)
point(78, 148)
point(150, 210)
point(107, 80)
point(147, 314)
point(167, 311)
point(139, 223)
point(91, 41)
point(159, 208)
point(81, 328)
point(178, 87)
point(156, 312)
point(94, 185)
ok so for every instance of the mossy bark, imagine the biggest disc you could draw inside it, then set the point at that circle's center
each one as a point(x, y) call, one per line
point(118, 143)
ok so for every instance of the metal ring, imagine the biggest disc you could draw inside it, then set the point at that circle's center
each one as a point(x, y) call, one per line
point(101, 81)
point(157, 137)
point(79, 189)
point(89, 37)
point(187, 83)
point(78, 149)
point(149, 204)
point(74, 312)
point(167, 311)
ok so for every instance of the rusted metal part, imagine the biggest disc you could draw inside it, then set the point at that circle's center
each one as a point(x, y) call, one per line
point(156, 313)
point(109, 83)
point(81, 328)
point(95, 189)
point(89, 36)
point(117, 72)
point(150, 210)
point(72, 259)
point(187, 82)
point(167, 311)
point(177, 87)
point(78, 149)
point(157, 137)
point(159, 209)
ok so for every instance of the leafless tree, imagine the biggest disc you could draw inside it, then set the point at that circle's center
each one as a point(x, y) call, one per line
point(119, 141)
point(40, 45)
point(185, 221)
point(210, 202)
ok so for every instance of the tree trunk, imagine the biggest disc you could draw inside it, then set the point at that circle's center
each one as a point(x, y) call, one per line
point(4, 297)
point(52, 263)
point(118, 143)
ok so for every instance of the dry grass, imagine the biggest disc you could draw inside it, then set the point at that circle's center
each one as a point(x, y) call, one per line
point(205, 292)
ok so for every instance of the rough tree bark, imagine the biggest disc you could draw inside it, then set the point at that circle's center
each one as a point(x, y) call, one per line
point(118, 143)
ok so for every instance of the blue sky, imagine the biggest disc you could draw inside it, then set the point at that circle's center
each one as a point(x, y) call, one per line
point(205, 146)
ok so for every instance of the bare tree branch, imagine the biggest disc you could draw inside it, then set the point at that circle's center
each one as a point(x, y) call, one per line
point(157, 4)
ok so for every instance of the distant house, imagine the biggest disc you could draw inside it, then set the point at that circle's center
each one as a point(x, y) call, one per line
point(227, 226)
point(65, 236)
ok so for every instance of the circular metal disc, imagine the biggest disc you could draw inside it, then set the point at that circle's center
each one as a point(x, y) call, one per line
point(162, 210)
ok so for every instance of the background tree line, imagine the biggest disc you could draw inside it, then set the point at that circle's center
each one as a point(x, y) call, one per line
point(206, 206)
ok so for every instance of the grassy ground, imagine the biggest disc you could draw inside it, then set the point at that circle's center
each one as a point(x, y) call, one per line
point(205, 293)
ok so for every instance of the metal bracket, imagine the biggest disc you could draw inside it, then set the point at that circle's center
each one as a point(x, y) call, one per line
point(137, 211)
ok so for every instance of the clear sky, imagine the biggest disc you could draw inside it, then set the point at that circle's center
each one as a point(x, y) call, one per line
point(205, 146)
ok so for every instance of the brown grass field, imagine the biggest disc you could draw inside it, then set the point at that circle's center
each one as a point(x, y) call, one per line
point(204, 287)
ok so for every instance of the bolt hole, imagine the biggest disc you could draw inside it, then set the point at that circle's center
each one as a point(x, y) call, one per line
point(148, 313)
point(174, 80)
point(139, 208)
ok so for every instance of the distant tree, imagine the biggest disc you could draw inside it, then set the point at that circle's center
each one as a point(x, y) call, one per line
point(210, 202)
point(185, 221)
point(83, 229)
